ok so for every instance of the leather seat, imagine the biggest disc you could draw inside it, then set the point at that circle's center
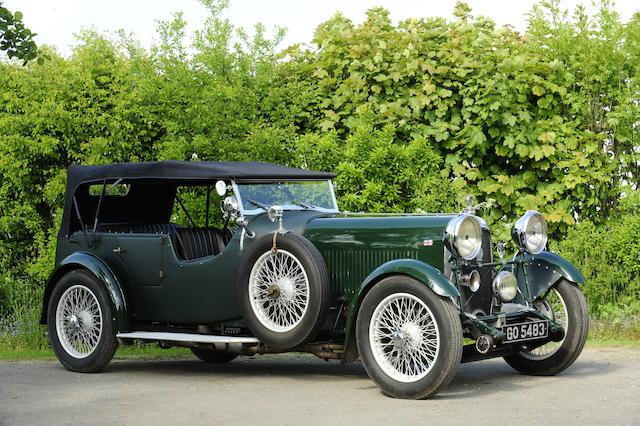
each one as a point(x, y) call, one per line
point(194, 243)
point(191, 243)
point(139, 228)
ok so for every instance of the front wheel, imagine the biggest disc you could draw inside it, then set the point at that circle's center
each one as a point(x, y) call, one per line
point(409, 338)
point(565, 304)
point(79, 322)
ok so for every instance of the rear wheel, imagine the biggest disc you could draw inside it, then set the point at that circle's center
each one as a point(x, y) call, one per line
point(213, 356)
point(409, 338)
point(79, 322)
point(565, 304)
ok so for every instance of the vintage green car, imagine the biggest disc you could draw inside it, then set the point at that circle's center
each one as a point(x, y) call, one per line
point(142, 255)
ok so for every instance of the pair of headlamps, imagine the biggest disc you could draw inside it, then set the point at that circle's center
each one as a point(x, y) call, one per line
point(463, 237)
point(463, 234)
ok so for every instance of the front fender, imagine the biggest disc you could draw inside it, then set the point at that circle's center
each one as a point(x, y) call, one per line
point(543, 270)
point(82, 260)
point(423, 272)
point(427, 274)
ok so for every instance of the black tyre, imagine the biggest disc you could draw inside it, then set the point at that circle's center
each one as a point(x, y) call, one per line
point(79, 322)
point(283, 295)
point(409, 338)
point(565, 304)
point(213, 357)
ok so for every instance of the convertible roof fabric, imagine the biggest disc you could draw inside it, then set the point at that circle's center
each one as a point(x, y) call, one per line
point(153, 186)
point(188, 170)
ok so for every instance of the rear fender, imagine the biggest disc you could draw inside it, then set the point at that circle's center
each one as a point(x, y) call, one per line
point(89, 262)
point(423, 272)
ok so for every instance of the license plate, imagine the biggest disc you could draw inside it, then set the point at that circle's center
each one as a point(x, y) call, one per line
point(525, 331)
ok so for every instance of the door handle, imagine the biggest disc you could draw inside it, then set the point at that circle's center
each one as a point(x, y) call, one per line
point(118, 250)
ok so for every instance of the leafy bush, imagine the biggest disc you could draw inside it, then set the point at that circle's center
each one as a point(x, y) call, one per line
point(375, 173)
point(498, 111)
point(608, 255)
point(410, 116)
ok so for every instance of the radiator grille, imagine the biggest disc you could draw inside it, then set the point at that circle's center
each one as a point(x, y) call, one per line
point(480, 301)
point(349, 268)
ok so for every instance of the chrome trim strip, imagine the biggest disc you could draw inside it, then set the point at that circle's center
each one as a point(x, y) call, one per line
point(185, 337)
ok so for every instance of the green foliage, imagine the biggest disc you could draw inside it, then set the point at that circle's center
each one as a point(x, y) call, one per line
point(15, 39)
point(494, 108)
point(377, 174)
point(602, 55)
point(20, 307)
point(608, 255)
point(410, 116)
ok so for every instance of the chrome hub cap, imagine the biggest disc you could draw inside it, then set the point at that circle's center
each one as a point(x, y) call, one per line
point(287, 288)
point(413, 335)
point(79, 321)
point(404, 337)
point(73, 321)
point(279, 290)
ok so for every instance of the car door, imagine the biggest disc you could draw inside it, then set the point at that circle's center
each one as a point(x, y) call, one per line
point(141, 255)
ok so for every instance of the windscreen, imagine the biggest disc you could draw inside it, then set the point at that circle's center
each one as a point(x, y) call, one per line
point(317, 195)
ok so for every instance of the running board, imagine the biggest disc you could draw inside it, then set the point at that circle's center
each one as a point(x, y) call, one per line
point(185, 337)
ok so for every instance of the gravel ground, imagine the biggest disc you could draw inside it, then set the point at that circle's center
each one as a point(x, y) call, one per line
point(602, 387)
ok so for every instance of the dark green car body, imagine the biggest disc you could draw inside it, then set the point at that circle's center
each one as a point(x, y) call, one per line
point(151, 287)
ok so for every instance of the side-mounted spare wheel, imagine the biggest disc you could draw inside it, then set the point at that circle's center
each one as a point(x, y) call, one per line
point(409, 338)
point(283, 292)
point(79, 323)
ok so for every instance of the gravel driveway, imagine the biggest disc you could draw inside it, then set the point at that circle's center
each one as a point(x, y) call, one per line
point(602, 387)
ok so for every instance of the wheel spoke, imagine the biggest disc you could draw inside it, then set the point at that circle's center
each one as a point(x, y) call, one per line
point(79, 321)
point(404, 337)
point(554, 307)
point(279, 290)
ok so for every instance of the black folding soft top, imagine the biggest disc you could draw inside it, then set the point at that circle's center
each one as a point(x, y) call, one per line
point(153, 185)
point(189, 170)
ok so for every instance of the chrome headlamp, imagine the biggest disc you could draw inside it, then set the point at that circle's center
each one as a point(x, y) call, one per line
point(505, 286)
point(463, 236)
point(530, 232)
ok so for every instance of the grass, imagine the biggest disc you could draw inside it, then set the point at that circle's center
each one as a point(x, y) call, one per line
point(22, 338)
point(154, 352)
point(136, 352)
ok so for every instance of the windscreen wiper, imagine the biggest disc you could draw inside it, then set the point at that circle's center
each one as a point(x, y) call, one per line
point(305, 205)
point(259, 204)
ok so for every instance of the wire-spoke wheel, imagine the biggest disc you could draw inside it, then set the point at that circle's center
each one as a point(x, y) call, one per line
point(283, 293)
point(279, 290)
point(565, 304)
point(404, 337)
point(79, 321)
point(552, 306)
point(409, 338)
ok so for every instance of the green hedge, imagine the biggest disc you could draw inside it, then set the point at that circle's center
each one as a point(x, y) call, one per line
point(608, 255)
point(411, 116)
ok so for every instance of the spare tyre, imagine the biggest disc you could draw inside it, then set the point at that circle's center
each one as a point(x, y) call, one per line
point(283, 292)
